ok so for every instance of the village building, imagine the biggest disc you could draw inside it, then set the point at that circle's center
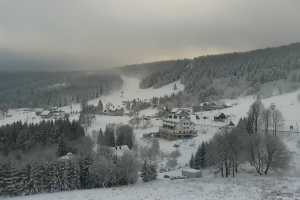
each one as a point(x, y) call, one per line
point(68, 156)
point(45, 114)
point(191, 173)
point(177, 125)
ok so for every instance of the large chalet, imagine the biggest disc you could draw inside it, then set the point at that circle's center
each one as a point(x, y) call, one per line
point(177, 125)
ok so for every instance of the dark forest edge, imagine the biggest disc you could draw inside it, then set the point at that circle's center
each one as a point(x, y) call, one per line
point(47, 89)
point(264, 71)
point(55, 156)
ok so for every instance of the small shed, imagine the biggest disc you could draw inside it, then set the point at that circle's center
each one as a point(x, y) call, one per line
point(120, 150)
point(68, 156)
point(191, 173)
point(221, 118)
point(45, 114)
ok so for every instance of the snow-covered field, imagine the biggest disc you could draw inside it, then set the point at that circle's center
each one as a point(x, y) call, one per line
point(243, 187)
point(27, 115)
point(130, 90)
point(287, 103)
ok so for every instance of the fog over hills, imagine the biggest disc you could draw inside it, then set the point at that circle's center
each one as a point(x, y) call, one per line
point(111, 33)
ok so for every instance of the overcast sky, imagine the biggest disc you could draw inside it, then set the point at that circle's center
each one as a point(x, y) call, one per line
point(108, 33)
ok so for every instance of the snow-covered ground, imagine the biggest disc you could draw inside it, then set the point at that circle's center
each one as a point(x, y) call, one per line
point(288, 104)
point(29, 115)
point(130, 90)
point(243, 187)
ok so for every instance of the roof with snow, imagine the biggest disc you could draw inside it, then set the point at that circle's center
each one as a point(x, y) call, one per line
point(120, 150)
point(68, 156)
point(45, 113)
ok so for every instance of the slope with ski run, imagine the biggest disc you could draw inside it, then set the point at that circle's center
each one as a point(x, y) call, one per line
point(244, 186)
point(288, 104)
point(130, 90)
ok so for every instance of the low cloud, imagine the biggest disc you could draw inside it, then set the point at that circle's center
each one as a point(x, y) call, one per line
point(107, 33)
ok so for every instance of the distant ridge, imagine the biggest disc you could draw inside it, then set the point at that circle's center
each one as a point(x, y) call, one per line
point(215, 75)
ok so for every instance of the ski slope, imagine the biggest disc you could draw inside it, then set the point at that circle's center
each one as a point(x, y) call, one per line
point(244, 186)
point(130, 90)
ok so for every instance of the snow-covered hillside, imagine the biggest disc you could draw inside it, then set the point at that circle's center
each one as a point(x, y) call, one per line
point(288, 104)
point(130, 90)
point(242, 187)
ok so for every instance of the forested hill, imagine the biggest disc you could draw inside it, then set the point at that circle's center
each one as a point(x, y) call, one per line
point(42, 89)
point(228, 74)
point(143, 70)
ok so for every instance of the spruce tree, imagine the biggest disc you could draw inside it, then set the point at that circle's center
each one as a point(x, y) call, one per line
point(53, 182)
point(192, 162)
point(71, 176)
point(100, 139)
point(84, 172)
point(13, 180)
point(203, 162)
point(200, 157)
point(62, 147)
point(109, 136)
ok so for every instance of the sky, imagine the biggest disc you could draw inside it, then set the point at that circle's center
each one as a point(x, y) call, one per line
point(108, 33)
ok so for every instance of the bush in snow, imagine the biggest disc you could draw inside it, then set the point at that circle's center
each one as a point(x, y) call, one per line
point(149, 171)
point(171, 163)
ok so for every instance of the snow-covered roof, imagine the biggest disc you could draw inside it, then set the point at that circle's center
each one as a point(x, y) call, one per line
point(45, 112)
point(120, 150)
point(68, 156)
point(190, 170)
point(187, 109)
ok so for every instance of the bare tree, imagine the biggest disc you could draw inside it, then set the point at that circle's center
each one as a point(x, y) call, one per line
point(276, 119)
point(266, 120)
point(277, 156)
point(152, 153)
point(254, 115)
point(269, 153)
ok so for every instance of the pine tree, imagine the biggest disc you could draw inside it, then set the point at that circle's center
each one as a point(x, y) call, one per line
point(100, 106)
point(200, 157)
point(71, 176)
point(109, 136)
point(53, 182)
point(84, 172)
point(100, 139)
point(3, 173)
point(41, 177)
point(62, 147)
point(13, 181)
point(192, 162)
point(203, 162)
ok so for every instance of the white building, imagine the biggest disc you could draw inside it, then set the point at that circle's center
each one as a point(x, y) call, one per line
point(191, 173)
point(177, 125)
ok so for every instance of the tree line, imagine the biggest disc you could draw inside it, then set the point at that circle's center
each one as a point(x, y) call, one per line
point(254, 140)
point(44, 89)
point(229, 75)
point(65, 174)
point(47, 170)
point(23, 137)
point(116, 136)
